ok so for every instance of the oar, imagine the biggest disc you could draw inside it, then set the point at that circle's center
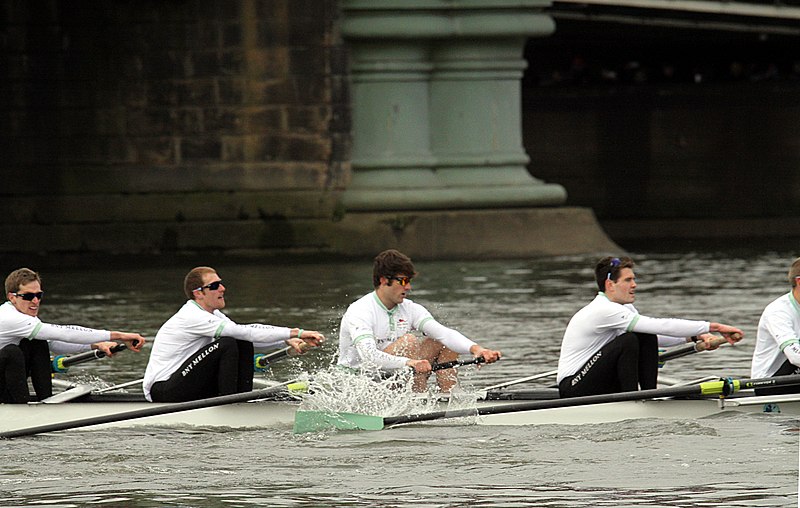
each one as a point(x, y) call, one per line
point(261, 361)
point(457, 363)
point(522, 380)
point(688, 349)
point(310, 421)
point(62, 363)
point(119, 386)
point(155, 410)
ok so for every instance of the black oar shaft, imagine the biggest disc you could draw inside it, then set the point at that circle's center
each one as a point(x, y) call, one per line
point(91, 355)
point(150, 411)
point(457, 363)
point(88, 356)
point(264, 360)
point(677, 352)
point(677, 391)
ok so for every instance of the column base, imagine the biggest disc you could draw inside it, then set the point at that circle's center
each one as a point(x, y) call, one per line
point(471, 234)
point(456, 197)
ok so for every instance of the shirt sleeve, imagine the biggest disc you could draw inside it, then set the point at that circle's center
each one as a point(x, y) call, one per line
point(70, 333)
point(369, 353)
point(792, 352)
point(669, 341)
point(668, 326)
point(262, 336)
point(67, 348)
point(447, 336)
point(358, 328)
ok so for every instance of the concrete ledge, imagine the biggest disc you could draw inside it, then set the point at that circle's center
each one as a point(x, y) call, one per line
point(453, 234)
point(473, 234)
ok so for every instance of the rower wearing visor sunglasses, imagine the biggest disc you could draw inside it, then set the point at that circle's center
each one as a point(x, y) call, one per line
point(213, 286)
point(200, 352)
point(403, 281)
point(28, 297)
point(26, 342)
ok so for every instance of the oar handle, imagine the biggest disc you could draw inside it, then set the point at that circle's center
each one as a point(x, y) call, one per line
point(688, 349)
point(261, 362)
point(61, 363)
point(457, 363)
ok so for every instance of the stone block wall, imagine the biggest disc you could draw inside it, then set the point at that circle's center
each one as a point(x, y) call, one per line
point(165, 126)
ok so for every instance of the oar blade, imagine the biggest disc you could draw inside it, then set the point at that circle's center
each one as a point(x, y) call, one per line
point(318, 421)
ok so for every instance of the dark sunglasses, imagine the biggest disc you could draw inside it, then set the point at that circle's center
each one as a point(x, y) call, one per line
point(213, 286)
point(403, 281)
point(615, 262)
point(28, 297)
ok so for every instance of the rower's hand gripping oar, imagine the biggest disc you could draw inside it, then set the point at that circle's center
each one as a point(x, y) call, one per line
point(688, 349)
point(311, 421)
point(261, 361)
point(62, 363)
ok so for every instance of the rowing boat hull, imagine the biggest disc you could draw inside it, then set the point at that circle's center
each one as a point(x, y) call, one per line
point(280, 414)
point(673, 409)
point(243, 415)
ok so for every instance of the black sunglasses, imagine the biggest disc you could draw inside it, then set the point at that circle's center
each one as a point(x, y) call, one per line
point(28, 297)
point(213, 286)
point(403, 281)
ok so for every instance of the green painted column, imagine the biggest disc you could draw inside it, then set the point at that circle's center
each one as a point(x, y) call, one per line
point(436, 104)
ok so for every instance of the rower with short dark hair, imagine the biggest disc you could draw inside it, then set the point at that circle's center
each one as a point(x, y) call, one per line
point(200, 352)
point(25, 341)
point(777, 351)
point(376, 333)
point(609, 347)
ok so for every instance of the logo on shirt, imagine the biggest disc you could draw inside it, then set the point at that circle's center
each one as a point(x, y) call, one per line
point(403, 327)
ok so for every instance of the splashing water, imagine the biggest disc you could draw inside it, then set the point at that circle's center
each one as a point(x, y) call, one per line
point(336, 391)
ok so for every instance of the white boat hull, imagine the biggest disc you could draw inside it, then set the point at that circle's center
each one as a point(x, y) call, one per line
point(674, 409)
point(280, 414)
point(242, 415)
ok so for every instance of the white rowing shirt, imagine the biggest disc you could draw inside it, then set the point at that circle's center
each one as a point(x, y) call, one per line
point(367, 327)
point(777, 337)
point(16, 326)
point(602, 321)
point(192, 328)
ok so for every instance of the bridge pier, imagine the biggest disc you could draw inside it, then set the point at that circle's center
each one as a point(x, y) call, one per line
point(436, 105)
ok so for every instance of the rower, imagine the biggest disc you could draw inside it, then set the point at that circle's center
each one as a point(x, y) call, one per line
point(376, 333)
point(200, 352)
point(609, 347)
point(777, 351)
point(25, 341)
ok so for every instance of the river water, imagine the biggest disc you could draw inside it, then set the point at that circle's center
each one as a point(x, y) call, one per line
point(520, 307)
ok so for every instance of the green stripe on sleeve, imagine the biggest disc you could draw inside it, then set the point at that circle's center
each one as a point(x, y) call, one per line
point(788, 343)
point(218, 333)
point(422, 323)
point(632, 324)
point(363, 337)
point(35, 331)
